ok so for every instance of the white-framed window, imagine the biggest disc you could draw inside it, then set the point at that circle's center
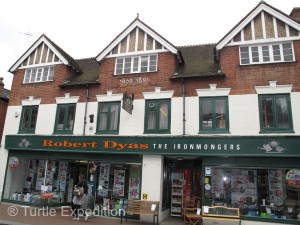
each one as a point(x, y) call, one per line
point(269, 53)
point(136, 64)
point(41, 74)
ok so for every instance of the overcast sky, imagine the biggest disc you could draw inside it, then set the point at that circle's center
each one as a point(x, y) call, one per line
point(84, 28)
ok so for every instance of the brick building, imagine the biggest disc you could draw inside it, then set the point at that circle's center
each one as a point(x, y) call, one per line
point(147, 119)
point(4, 99)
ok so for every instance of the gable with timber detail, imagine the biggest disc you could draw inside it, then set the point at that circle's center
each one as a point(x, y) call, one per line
point(262, 25)
point(40, 56)
point(137, 39)
point(265, 26)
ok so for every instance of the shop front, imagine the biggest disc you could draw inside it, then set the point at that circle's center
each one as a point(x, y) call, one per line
point(258, 175)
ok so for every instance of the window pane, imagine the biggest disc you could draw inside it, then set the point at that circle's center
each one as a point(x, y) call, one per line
point(244, 51)
point(103, 122)
point(103, 107)
point(163, 115)
point(27, 76)
point(39, 74)
point(60, 120)
point(144, 63)
point(25, 122)
point(51, 73)
point(207, 114)
point(119, 66)
point(152, 66)
point(255, 56)
point(287, 52)
point(267, 112)
point(114, 115)
point(127, 66)
point(70, 119)
point(276, 52)
point(220, 114)
point(33, 76)
point(266, 53)
point(33, 118)
point(282, 112)
point(135, 67)
point(151, 120)
point(45, 73)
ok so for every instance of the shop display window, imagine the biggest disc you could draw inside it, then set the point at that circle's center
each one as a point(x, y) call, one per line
point(258, 192)
point(116, 183)
point(38, 181)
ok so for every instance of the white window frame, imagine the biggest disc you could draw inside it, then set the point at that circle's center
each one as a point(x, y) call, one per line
point(133, 68)
point(270, 51)
point(36, 75)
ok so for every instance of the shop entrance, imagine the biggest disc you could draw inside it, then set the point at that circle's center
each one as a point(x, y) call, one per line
point(185, 188)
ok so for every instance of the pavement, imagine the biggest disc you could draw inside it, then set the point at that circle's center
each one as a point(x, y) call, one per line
point(25, 215)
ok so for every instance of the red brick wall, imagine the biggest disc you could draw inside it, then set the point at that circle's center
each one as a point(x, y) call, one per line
point(48, 91)
point(242, 79)
point(165, 69)
point(3, 109)
point(45, 90)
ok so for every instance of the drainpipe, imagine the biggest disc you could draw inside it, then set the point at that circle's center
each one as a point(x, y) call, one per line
point(85, 111)
point(183, 102)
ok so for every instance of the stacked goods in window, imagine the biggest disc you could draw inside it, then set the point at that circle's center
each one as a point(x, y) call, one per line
point(177, 194)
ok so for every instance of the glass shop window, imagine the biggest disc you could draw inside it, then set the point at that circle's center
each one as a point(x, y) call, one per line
point(264, 193)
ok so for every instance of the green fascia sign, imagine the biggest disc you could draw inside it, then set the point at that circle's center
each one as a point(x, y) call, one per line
point(269, 146)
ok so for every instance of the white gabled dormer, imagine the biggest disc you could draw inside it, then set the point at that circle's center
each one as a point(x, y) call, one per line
point(265, 35)
point(40, 59)
point(136, 49)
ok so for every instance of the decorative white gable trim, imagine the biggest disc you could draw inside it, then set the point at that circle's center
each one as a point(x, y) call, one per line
point(273, 88)
point(31, 101)
point(33, 48)
point(148, 52)
point(109, 97)
point(67, 99)
point(213, 91)
point(140, 25)
point(158, 94)
point(246, 21)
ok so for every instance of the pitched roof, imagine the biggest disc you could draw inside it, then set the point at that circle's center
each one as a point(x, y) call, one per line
point(136, 23)
point(63, 56)
point(199, 62)
point(88, 76)
point(262, 6)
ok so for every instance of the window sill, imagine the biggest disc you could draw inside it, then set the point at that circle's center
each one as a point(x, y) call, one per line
point(26, 132)
point(157, 132)
point(213, 132)
point(62, 132)
point(276, 131)
point(266, 63)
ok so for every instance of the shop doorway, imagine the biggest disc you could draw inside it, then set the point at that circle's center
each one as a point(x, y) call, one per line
point(184, 188)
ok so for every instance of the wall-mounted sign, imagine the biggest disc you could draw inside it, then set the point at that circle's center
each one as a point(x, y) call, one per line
point(127, 103)
point(13, 162)
point(293, 178)
point(161, 145)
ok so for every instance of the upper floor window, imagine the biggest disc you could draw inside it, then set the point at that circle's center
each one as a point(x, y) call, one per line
point(275, 113)
point(28, 119)
point(158, 116)
point(282, 52)
point(136, 64)
point(214, 115)
point(65, 116)
point(108, 117)
point(41, 74)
